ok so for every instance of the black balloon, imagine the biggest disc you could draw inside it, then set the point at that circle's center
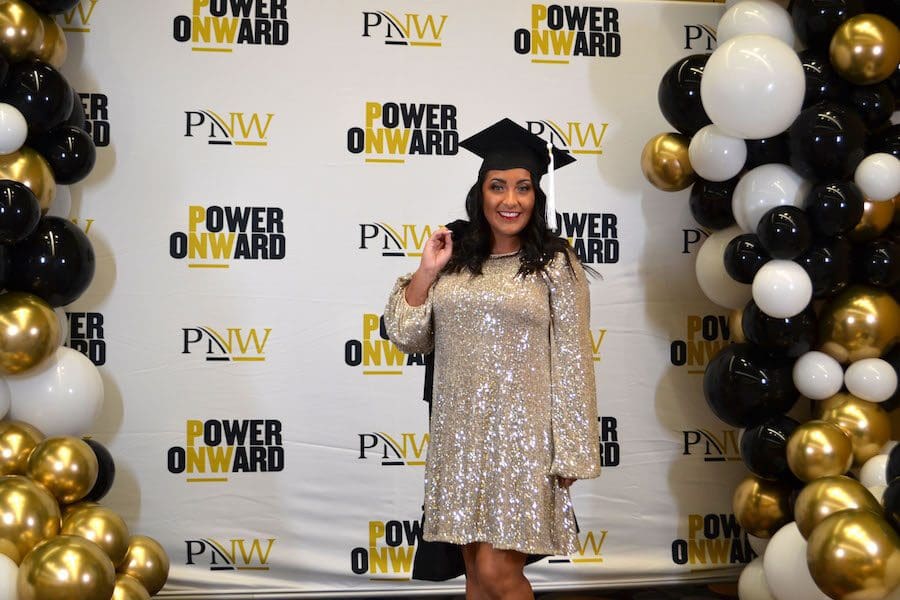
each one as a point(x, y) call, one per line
point(767, 151)
point(105, 475)
point(19, 211)
point(56, 262)
point(679, 94)
point(874, 103)
point(885, 8)
point(892, 358)
point(40, 93)
point(744, 256)
point(763, 448)
point(815, 21)
point(834, 207)
point(69, 151)
point(784, 232)
point(893, 464)
point(76, 116)
point(53, 6)
point(822, 81)
point(4, 265)
point(827, 141)
point(828, 264)
point(891, 503)
point(792, 337)
point(878, 263)
point(710, 203)
point(744, 386)
point(4, 70)
point(886, 140)
point(894, 83)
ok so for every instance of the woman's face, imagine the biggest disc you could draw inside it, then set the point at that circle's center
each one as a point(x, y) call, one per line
point(508, 202)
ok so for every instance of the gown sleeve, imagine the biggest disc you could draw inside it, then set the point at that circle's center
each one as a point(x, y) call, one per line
point(576, 439)
point(411, 328)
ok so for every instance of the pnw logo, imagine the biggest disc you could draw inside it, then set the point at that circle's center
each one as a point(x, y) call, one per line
point(704, 337)
point(593, 236)
point(231, 345)
point(214, 449)
point(86, 335)
point(590, 548)
point(559, 32)
point(403, 240)
point(375, 352)
point(393, 450)
point(700, 37)
point(78, 18)
point(220, 25)
point(96, 111)
point(575, 136)
point(713, 539)
point(396, 130)
point(390, 550)
point(228, 129)
point(410, 29)
point(230, 555)
point(218, 235)
point(713, 447)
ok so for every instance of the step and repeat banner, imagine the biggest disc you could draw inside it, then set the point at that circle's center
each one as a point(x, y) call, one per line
point(266, 169)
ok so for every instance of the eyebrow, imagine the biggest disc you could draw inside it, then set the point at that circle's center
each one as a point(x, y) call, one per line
point(523, 180)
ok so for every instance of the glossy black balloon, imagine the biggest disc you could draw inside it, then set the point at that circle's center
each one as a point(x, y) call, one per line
point(815, 21)
point(874, 103)
point(53, 6)
point(891, 503)
point(784, 232)
point(744, 386)
point(827, 141)
point(19, 211)
point(885, 8)
point(893, 359)
point(106, 475)
point(4, 70)
point(679, 94)
point(69, 151)
point(744, 256)
point(894, 83)
point(4, 265)
point(893, 463)
point(822, 81)
point(886, 140)
point(56, 262)
point(878, 263)
point(764, 447)
point(76, 117)
point(829, 265)
point(710, 203)
point(767, 151)
point(791, 337)
point(834, 207)
point(40, 93)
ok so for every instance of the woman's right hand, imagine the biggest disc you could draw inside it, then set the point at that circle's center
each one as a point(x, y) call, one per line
point(437, 251)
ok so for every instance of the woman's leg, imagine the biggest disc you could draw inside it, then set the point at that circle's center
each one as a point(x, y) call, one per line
point(495, 574)
point(473, 592)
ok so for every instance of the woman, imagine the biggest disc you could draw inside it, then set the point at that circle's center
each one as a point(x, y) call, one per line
point(504, 304)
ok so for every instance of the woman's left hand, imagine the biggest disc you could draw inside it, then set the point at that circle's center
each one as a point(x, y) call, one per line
point(566, 482)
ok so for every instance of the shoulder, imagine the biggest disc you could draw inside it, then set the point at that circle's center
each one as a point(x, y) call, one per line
point(565, 266)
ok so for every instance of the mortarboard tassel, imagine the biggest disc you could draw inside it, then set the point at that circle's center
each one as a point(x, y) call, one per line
point(551, 192)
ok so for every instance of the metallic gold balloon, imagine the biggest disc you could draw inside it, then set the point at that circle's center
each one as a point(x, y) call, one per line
point(29, 332)
point(28, 167)
point(860, 322)
point(101, 526)
point(64, 568)
point(867, 424)
point(17, 440)
point(129, 588)
point(761, 507)
point(21, 30)
point(865, 49)
point(896, 203)
point(735, 328)
point(828, 495)
point(876, 218)
point(819, 449)
point(854, 554)
point(665, 162)
point(66, 466)
point(54, 47)
point(29, 515)
point(147, 562)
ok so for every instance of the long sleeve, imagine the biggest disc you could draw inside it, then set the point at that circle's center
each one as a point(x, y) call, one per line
point(576, 441)
point(409, 327)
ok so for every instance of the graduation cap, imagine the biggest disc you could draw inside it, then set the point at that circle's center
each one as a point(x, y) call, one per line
point(507, 145)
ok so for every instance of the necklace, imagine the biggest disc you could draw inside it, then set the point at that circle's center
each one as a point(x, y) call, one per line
point(505, 254)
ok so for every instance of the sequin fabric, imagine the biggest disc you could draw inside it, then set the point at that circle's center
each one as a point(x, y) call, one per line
point(514, 402)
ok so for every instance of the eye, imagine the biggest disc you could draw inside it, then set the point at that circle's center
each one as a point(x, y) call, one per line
point(496, 187)
point(524, 189)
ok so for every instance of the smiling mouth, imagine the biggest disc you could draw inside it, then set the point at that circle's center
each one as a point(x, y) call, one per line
point(509, 215)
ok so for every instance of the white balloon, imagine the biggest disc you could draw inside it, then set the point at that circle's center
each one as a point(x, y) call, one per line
point(758, 544)
point(871, 379)
point(13, 128)
point(817, 375)
point(714, 280)
point(5, 398)
point(63, 398)
point(878, 176)
point(62, 203)
point(755, 16)
point(874, 471)
point(785, 567)
point(878, 492)
point(63, 325)
point(753, 86)
point(9, 573)
point(763, 188)
point(716, 156)
point(752, 582)
point(782, 288)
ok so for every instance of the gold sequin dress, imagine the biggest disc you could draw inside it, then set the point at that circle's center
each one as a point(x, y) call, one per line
point(514, 402)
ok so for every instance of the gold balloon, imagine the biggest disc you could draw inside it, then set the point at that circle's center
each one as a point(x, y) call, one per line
point(854, 554)
point(101, 526)
point(65, 568)
point(17, 440)
point(28, 167)
point(819, 449)
point(147, 562)
point(865, 49)
point(54, 47)
point(761, 507)
point(66, 466)
point(876, 218)
point(29, 515)
point(21, 30)
point(896, 203)
point(860, 322)
point(129, 588)
point(29, 332)
point(735, 328)
point(867, 424)
point(665, 162)
point(828, 495)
